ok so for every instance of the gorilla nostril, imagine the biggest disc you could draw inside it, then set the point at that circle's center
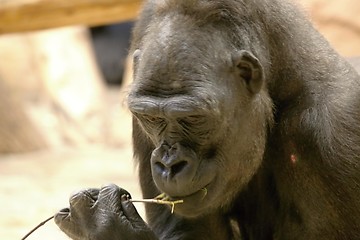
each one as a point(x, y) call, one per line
point(178, 167)
point(161, 167)
point(171, 170)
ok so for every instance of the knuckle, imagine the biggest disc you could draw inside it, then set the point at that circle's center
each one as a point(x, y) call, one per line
point(83, 196)
point(113, 189)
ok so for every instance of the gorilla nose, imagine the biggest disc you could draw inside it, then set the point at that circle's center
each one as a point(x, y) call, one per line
point(173, 167)
point(170, 168)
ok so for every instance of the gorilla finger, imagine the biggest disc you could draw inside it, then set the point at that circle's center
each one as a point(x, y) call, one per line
point(131, 213)
point(87, 195)
point(93, 193)
point(109, 198)
point(63, 220)
point(82, 201)
point(68, 225)
point(62, 215)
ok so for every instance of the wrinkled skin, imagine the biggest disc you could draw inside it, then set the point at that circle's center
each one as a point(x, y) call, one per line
point(92, 211)
point(243, 110)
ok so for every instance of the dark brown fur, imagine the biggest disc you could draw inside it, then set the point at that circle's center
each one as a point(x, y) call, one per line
point(315, 96)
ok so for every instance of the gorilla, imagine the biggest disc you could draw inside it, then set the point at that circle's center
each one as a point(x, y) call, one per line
point(244, 111)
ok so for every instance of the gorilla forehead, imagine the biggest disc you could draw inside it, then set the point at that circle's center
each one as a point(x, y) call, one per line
point(201, 10)
point(173, 61)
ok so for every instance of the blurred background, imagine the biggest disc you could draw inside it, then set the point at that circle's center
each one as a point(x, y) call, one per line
point(64, 76)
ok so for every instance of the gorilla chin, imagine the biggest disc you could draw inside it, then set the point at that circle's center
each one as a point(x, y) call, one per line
point(196, 204)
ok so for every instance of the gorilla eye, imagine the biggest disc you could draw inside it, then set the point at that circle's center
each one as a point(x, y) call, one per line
point(151, 124)
point(193, 124)
point(152, 119)
point(192, 120)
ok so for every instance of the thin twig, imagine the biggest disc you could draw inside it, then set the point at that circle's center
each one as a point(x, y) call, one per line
point(35, 228)
point(205, 191)
point(159, 201)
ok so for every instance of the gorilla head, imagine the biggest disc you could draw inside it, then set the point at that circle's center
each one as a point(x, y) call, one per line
point(204, 106)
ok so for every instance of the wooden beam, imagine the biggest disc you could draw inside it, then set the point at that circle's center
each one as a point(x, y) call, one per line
point(29, 15)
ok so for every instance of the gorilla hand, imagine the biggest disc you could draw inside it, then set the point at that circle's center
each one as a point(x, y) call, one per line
point(103, 214)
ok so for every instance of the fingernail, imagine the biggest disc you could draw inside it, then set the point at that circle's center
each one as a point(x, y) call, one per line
point(125, 197)
point(64, 210)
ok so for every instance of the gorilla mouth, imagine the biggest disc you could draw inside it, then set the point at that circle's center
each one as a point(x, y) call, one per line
point(193, 204)
point(202, 192)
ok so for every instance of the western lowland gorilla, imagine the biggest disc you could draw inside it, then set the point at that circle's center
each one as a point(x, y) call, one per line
point(244, 111)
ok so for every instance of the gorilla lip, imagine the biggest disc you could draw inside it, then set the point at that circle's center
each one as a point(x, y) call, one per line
point(172, 201)
point(203, 190)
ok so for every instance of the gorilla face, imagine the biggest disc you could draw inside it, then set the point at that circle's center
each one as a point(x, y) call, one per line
point(202, 104)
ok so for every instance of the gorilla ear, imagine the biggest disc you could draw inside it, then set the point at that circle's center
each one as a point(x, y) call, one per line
point(136, 56)
point(248, 68)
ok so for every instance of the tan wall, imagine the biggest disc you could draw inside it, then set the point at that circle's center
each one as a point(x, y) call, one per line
point(339, 21)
